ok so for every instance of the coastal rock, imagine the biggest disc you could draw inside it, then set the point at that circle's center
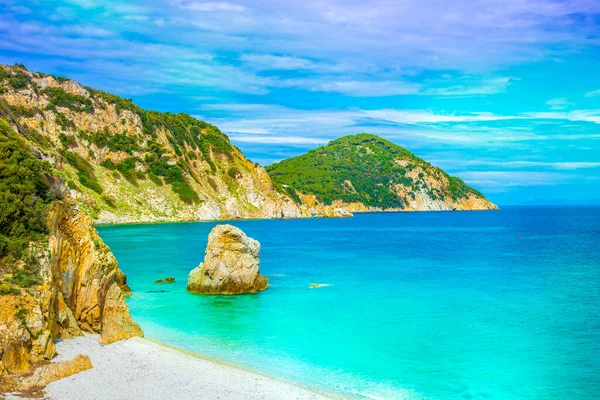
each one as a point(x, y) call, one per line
point(117, 323)
point(66, 319)
point(43, 374)
point(231, 264)
point(169, 279)
point(51, 372)
point(80, 289)
point(15, 358)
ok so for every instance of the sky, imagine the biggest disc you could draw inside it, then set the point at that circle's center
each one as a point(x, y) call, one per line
point(502, 93)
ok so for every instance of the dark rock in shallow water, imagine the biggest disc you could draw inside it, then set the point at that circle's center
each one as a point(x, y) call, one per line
point(170, 279)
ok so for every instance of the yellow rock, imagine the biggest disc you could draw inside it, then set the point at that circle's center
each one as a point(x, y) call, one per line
point(15, 358)
point(117, 323)
point(231, 264)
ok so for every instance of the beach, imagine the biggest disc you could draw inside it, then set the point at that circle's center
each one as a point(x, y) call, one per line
point(143, 369)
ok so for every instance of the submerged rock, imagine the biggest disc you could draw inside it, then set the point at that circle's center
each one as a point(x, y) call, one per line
point(318, 285)
point(230, 264)
point(169, 279)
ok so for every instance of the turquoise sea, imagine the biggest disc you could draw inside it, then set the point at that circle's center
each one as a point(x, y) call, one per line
point(457, 305)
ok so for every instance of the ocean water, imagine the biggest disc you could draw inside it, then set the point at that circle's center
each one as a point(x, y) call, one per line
point(460, 305)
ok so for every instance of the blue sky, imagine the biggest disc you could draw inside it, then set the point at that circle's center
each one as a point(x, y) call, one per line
point(505, 94)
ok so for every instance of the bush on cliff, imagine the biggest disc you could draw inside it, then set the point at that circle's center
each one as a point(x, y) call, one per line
point(24, 194)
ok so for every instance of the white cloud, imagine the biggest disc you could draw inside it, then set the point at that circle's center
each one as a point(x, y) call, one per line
point(513, 178)
point(593, 93)
point(559, 103)
point(518, 164)
point(355, 88)
point(484, 87)
point(209, 6)
point(278, 140)
point(592, 115)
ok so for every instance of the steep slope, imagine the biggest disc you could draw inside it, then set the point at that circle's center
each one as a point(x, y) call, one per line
point(57, 278)
point(125, 164)
point(366, 173)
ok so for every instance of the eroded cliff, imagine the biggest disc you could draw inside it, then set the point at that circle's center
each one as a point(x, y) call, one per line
point(80, 284)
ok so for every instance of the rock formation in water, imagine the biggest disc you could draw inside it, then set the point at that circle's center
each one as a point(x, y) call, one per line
point(169, 279)
point(231, 264)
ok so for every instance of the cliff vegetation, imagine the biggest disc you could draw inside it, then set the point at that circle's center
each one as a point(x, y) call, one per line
point(367, 170)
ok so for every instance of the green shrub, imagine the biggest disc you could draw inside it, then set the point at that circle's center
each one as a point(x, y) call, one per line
point(58, 97)
point(63, 121)
point(212, 183)
point(110, 201)
point(233, 172)
point(185, 192)
point(67, 140)
point(126, 168)
point(156, 179)
point(24, 194)
point(5, 289)
point(85, 171)
point(18, 81)
point(116, 142)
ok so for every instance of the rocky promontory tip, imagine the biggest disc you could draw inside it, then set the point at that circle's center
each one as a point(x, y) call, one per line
point(231, 264)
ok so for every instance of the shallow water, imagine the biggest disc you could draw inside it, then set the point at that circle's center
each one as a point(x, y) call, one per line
point(419, 305)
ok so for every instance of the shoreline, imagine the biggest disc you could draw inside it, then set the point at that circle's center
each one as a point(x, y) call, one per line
point(148, 369)
point(192, 221)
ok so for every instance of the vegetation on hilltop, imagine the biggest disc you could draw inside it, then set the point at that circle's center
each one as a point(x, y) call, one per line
point(363, 168)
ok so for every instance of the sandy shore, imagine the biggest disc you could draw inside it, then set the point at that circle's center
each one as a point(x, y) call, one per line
point(142, 369)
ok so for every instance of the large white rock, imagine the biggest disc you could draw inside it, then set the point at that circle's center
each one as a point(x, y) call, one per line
point(230, 266)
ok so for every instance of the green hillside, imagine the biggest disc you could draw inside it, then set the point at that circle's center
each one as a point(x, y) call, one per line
point(126, 164)
point(367, 169)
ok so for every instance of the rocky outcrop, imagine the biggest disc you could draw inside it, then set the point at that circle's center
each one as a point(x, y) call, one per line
point(169, 279)
point(117, 323)
point(311, 207)
point(84, 270)
point(80, 291)
point(46, 373)
point(231, 264)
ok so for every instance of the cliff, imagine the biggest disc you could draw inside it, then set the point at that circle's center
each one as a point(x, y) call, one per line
point(367, 173)
point(57, 278)
point(125, 164)
point(80, 284)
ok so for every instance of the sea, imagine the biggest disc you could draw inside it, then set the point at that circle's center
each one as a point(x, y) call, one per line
point(431, 305)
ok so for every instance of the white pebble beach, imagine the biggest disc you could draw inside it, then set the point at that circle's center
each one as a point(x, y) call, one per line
point(143, 369)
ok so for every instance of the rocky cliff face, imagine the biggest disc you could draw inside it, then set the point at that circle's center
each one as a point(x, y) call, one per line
point(125, 164)
point(231, 264)
point(81, 284)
